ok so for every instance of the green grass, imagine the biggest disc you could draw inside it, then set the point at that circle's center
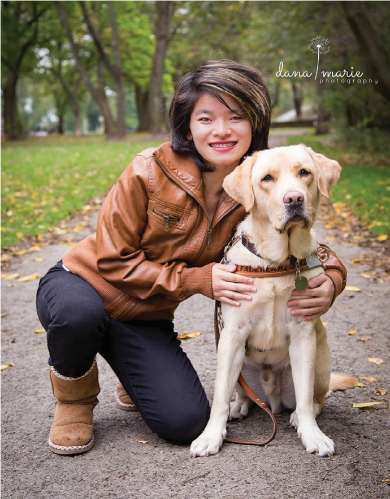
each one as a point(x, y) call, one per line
point(365, 177)
point(46, 179)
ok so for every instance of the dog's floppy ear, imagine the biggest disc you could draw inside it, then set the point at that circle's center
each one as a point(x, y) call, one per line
point(238, 184)
point(328, 171)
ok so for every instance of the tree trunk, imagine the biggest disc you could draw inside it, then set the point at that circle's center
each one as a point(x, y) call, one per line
point(142, 103)
point(118, 74)
point(275, 100)
point(98, 94)
point(13, 127)
point(320, 122)
point(77, 120)
point(372, 50)
point(157, 112)
point(298, 98)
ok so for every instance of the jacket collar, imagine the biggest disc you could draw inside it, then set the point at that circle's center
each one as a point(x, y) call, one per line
point(185, 172)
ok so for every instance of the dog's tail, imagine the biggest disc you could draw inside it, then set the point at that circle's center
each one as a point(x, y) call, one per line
point(340, 381)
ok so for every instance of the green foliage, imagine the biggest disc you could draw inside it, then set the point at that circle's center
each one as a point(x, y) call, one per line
point(365, 177)
point(45, 180)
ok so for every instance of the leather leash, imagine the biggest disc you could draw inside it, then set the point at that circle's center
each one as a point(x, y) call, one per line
point(244, 385)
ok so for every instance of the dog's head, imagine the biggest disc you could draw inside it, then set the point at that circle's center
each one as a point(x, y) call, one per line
point(283, 184)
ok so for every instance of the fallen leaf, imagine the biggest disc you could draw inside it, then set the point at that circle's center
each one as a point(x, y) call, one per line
point(356, 260)
point(369, 379)
point(360, 385)
point(366, 276)
point(6, 366)
point(386, 480)
point(381, 393)
point(362, 405)
point(28, 278)
point(382, 237)
point(366, 338)
point(39, 331)
point(325, 323)
point(352, 288)
point(146, 441)
point(375, 360)
point(352, 332)
point(4, 314)
point(186, 336)
point(9, 277)
point(39, 259)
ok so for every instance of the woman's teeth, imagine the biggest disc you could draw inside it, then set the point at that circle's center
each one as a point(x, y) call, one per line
point(223, 146)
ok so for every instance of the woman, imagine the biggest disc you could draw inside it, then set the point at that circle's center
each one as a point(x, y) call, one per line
point(160, 231)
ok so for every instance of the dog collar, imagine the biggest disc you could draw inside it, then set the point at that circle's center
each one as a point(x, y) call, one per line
point(295, 266)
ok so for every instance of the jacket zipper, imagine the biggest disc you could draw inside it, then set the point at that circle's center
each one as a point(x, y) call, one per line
point(207, 240)
point(166, 218)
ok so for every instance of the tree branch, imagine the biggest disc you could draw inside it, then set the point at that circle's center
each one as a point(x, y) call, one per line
point(372, 52)
point(97, 38)
point(79, 63)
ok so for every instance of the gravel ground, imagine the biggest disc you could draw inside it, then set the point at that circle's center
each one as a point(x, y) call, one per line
point(120, 466)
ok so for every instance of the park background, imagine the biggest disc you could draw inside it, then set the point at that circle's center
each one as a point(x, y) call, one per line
point(87, 85)
point(69, 130)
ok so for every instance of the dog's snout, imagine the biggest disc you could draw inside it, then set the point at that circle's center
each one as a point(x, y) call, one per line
point(293, 198)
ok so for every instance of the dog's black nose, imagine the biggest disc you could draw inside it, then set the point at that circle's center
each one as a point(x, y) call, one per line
point(293, 199)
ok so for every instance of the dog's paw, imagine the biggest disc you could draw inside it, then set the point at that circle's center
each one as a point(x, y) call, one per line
point(316, 442)
point(238, 409)
point(294, 420)
point(205, 446)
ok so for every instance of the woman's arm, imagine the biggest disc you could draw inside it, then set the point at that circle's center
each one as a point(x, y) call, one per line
point(122, 220)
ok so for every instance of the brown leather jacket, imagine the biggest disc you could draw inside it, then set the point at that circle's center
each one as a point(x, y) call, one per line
point(155, 246)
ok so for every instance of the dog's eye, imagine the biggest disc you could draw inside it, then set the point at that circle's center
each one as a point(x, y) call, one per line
point(304, 173)
point(268, 178)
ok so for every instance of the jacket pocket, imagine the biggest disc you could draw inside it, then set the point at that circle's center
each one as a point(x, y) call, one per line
point(167, 215)
point(169, 220)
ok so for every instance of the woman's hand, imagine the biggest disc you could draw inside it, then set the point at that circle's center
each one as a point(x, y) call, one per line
point(315, 300)
point(231, 288)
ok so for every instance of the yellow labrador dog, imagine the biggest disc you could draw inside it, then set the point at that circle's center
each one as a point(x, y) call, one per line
point(286, 361)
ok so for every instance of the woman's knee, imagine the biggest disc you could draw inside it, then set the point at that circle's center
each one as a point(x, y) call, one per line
point(185, 426)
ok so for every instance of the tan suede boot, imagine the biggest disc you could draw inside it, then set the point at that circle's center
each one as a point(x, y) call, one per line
point(123, 400)
point(72, 430)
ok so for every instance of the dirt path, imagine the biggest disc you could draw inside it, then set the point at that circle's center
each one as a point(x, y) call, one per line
point(120, 466)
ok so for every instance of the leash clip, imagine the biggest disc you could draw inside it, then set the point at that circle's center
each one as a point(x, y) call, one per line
point(326, 251)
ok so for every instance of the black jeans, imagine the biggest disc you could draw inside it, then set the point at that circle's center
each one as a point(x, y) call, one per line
point(145, 355)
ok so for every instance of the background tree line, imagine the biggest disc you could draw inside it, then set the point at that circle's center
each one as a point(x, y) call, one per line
point(118, 62)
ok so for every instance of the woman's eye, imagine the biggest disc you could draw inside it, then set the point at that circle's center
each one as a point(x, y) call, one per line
point(237, 118)
point(204, 120)
point(268, 178)
point(304, 173)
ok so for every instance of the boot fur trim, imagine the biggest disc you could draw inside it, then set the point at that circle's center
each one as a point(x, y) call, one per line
point(56, 373)
point(121, 393)
point(77, 449)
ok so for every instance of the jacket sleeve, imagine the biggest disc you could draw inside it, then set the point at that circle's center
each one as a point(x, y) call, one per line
point(335, 270)
point(120, 259)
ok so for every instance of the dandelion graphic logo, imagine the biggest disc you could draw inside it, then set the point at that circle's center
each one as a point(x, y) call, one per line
point(319, 45)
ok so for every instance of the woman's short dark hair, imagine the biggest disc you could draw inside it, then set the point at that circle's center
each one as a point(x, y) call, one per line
point(244, 84)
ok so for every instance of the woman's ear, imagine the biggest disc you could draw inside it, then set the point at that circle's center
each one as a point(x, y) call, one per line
point(239, 183)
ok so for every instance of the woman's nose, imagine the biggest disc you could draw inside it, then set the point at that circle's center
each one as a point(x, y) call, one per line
point(221, 128)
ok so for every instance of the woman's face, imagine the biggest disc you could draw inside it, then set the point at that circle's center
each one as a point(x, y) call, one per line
point(221, 136)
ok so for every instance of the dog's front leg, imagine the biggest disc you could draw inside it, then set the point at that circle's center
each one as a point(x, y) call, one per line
point(302, 357)
point(231, 353)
